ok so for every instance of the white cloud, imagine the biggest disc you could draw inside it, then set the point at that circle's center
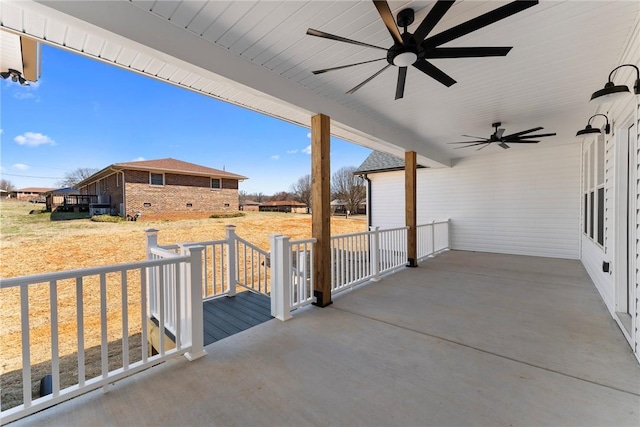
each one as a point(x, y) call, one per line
point(20, 166)
point(23, 95)
point(309, 135)
point(292, 151)
point(1, 131)
point(138, 159)
point(275, 157)
point(33, 139)
point(307, 149)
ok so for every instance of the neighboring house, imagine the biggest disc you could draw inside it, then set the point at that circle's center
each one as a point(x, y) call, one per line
point(340, 207)
point(250, 205)
point(283, 206)
point(163, 187)
point(30, 193)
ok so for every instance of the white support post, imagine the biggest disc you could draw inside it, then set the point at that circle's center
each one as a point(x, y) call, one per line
point(152, 240)
point(193, 289)
point(433, 237)
point(281, 271)
point(231, 259)
point(375, 251)
point(273, 265)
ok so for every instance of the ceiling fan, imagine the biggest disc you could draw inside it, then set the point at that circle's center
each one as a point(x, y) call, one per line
point(499, 137)
point(417, 48)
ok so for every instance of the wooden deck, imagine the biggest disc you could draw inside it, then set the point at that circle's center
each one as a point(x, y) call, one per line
point(226, 316)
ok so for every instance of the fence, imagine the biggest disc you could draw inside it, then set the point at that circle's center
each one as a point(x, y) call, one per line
point(99, 284)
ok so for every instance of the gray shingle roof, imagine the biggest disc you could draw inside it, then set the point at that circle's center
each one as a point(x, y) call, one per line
point(379, 162)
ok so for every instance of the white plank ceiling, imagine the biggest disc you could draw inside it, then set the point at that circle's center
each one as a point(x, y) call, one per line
point(256, 54)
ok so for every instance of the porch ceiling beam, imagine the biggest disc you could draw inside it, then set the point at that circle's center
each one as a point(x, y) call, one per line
point(133, 23)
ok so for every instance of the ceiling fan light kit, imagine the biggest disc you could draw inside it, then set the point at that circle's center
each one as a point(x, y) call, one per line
point(612, 92)
point(416, 49)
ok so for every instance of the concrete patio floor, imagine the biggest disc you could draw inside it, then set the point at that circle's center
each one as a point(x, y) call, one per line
point(464, 339)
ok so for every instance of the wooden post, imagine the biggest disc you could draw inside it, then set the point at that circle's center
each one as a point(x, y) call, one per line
point(321, 208)
point(410, 164)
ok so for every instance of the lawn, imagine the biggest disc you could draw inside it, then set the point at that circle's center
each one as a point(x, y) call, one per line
point(31, 243)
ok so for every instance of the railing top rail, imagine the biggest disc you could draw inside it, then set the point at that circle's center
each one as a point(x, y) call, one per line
point(203, 243)
point(302, 241)
point(169, 247)
point(252, 246)
point(166, 253)
point(92, 271)
point(394, 229)
point(359, 233)
point(442, 221)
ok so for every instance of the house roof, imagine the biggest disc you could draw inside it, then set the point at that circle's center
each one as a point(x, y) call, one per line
point(66, 190)
point(284, 203)
point(251, 203)
point(34, 190)
point(378, 161)
point(163, 166)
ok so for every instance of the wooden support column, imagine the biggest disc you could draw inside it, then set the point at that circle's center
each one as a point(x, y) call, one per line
point(321, 208)
point(410, 165)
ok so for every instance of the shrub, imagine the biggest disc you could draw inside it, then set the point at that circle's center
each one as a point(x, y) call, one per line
point(106, 218)
point(228, 215)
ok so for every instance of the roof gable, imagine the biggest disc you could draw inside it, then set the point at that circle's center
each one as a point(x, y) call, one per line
point(378, 161)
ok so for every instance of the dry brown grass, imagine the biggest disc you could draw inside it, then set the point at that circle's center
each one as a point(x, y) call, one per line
point(32, 244)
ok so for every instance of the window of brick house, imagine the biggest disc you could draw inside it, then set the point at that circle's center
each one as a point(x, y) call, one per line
point(156, 179)
point(216, 184)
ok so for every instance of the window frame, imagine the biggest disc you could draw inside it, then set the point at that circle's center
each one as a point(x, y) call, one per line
point(151, 179)
point(219, 187)
point(594, 193)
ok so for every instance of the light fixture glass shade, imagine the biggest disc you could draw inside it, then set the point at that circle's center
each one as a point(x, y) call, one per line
point(587, 131)
point(610, 93)
point(405, 59)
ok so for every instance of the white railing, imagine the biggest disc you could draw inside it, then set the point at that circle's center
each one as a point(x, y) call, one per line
point(226, 264)
point(433, 238)
point(94, 291)
point(355, 258)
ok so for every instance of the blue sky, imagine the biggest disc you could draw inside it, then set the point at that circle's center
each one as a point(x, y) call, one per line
point(86, 114)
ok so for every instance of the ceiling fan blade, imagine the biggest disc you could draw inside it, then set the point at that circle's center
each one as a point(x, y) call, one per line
point(402, 78)
point(351, 91)
point(389, 22)
point(521, 141)
point(540, 135)
point(503, 145)
point(478, 137)
point(345, 66)
point(499, 132)
point(523, 132)
point(324, 35)
point(488, 143)
point(466, 52)
point(434, 72)
point(472, 145)
point(431, 20)
point(469, 142)
point(479, 22)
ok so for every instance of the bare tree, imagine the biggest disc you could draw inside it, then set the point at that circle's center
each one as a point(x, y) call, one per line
point(349, 188)
point(301, 191)
point(7, 185)
point(281, 195)
point(72, 178)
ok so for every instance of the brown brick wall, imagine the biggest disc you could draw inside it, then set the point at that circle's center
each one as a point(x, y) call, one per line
point(178, 191)
point(111, 186)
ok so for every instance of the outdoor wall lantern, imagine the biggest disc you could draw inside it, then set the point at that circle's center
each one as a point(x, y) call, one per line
point(16, 76)
point(613, 92)
point(589, 130)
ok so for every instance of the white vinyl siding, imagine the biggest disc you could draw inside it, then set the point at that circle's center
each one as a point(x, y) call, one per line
point(519, 202)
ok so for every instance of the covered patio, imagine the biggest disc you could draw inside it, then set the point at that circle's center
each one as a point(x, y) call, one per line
point(467, 338)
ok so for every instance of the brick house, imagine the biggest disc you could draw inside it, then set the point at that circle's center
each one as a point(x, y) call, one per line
point(163, 188)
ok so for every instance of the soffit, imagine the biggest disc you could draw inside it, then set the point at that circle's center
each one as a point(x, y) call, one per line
point(256, 54)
